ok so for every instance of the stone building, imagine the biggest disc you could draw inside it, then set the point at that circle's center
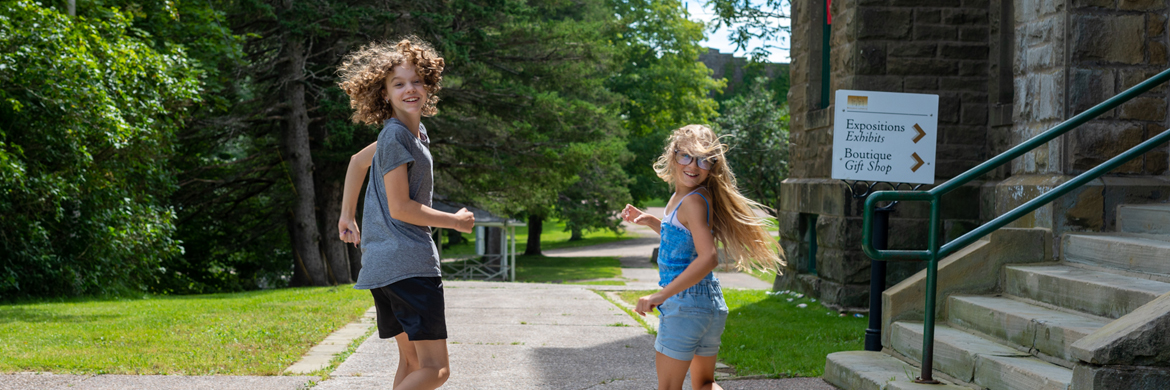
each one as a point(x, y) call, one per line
point(736, 71)
point(1004, 72)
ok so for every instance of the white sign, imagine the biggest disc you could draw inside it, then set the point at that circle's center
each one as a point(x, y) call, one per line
point(885, 136)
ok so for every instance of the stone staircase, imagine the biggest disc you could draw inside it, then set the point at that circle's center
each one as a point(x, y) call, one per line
point(1010, 317)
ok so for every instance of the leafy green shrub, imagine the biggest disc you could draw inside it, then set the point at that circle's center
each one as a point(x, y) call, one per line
point(88, 113)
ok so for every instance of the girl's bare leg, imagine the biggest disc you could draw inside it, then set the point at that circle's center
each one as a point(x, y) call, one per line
point(407, 358)
point(671, 372)
point(703, 373)
point(432, 367)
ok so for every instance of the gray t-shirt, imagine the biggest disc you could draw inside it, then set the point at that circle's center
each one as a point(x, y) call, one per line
point(393, 250)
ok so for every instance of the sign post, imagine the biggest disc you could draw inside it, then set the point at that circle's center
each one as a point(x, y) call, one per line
point(883, 137)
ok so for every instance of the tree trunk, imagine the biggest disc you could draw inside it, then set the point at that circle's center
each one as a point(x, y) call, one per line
point(329, 203)
point(535, 226)
point(575, 234)
point(306, 240)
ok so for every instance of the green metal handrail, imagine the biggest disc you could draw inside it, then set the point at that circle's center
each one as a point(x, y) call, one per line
point(934, 251)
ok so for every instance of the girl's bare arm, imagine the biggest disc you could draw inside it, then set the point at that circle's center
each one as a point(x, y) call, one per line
point(693, 215)
point(359, 164)
point(407, 210)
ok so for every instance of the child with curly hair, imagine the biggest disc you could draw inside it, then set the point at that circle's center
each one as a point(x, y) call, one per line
point(691, 306)
point(394, 85)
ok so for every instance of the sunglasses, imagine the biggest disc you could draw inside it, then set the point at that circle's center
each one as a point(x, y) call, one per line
point(705, 163)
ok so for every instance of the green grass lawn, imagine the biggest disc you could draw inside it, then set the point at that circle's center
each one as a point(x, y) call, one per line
point(251, 333)
point(771, 335)
point(552, 236)
point(569, 270)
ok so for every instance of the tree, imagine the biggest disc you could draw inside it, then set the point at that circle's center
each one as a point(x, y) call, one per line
point(757, 134)
point(88, 116)
point(664, 85)
point(748, 21)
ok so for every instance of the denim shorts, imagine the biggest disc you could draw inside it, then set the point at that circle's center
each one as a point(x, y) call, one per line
point(691, 322)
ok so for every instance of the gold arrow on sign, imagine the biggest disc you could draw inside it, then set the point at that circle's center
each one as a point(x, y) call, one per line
point(921, 133)
point(919, 164)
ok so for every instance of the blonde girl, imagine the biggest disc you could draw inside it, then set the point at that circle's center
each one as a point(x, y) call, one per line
point(394, 85)
point(706, 208)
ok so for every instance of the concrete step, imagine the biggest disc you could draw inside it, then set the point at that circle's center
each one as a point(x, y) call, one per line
point(1097, 293)
point(979, 361)
point(1144, 218)
point(1124, 252)
point(865, 370)
point(1028, 326)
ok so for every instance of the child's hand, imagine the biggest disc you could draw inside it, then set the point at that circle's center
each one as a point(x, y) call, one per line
point(632, 215)
point(349, 231)
point(466, 220)
point(648, 303)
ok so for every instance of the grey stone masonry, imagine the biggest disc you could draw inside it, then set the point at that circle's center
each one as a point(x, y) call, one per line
point(1073, 55)
point(915, 46)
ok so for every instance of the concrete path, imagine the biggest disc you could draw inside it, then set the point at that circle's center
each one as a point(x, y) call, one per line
point(502, 336)
point(548, 336)
point(533, 336)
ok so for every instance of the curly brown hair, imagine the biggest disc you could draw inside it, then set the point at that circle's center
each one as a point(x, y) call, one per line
point(363, 77)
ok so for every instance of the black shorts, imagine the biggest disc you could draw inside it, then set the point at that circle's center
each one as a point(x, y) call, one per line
point(414, 306)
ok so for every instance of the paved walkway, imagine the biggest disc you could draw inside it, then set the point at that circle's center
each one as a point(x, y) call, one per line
point(502, 336)
point(548, 336)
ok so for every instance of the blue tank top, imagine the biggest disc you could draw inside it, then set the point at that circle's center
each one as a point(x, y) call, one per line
point(676, 251)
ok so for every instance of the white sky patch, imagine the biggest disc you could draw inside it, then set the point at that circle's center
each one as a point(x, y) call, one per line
point(720, 40)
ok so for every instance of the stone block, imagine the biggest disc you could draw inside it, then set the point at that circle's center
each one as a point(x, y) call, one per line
point(1141, 5)
point(973, 68)
point(913, 83)
point(913, 49)
point(874, 83)
point(843, 266)
point(948, 108)
point(1157, 53)
point(870, 59)
point(1113, 39)
point(883, 23)
point(1094, 3)
point(1041, 57)
point(1155, 25)
point(1040, 32)
point(935, 33)
point(1157, 160)
point(963, 52)
point(1095, 377)
point(980, 4)
point(965, 16)
point(926, 3)
point(974, 114)
point(922, 66)
point(1089, 87)
point(961, 135)
point(927, 16)
point(1144, 108)
point(1141, 337)
point(974, 34)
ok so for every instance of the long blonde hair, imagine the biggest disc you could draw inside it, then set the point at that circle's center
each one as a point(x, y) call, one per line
point(737, 227)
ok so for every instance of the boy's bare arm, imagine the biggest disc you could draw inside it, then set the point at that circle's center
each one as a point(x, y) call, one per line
point(407, 210)
point(359, 164)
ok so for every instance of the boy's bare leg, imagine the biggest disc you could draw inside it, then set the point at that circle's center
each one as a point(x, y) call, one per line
point(433, 368)
point(703, 373)
point(671, 372)
point(407, 358)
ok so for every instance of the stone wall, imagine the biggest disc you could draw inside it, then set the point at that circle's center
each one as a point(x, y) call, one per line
point(916, 46)
point(730, 67)
point(1068, 57)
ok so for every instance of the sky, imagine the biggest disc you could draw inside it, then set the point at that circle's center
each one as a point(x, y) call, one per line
point(719, 39)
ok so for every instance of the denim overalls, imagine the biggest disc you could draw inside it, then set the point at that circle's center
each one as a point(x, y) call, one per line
point(691, 321)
